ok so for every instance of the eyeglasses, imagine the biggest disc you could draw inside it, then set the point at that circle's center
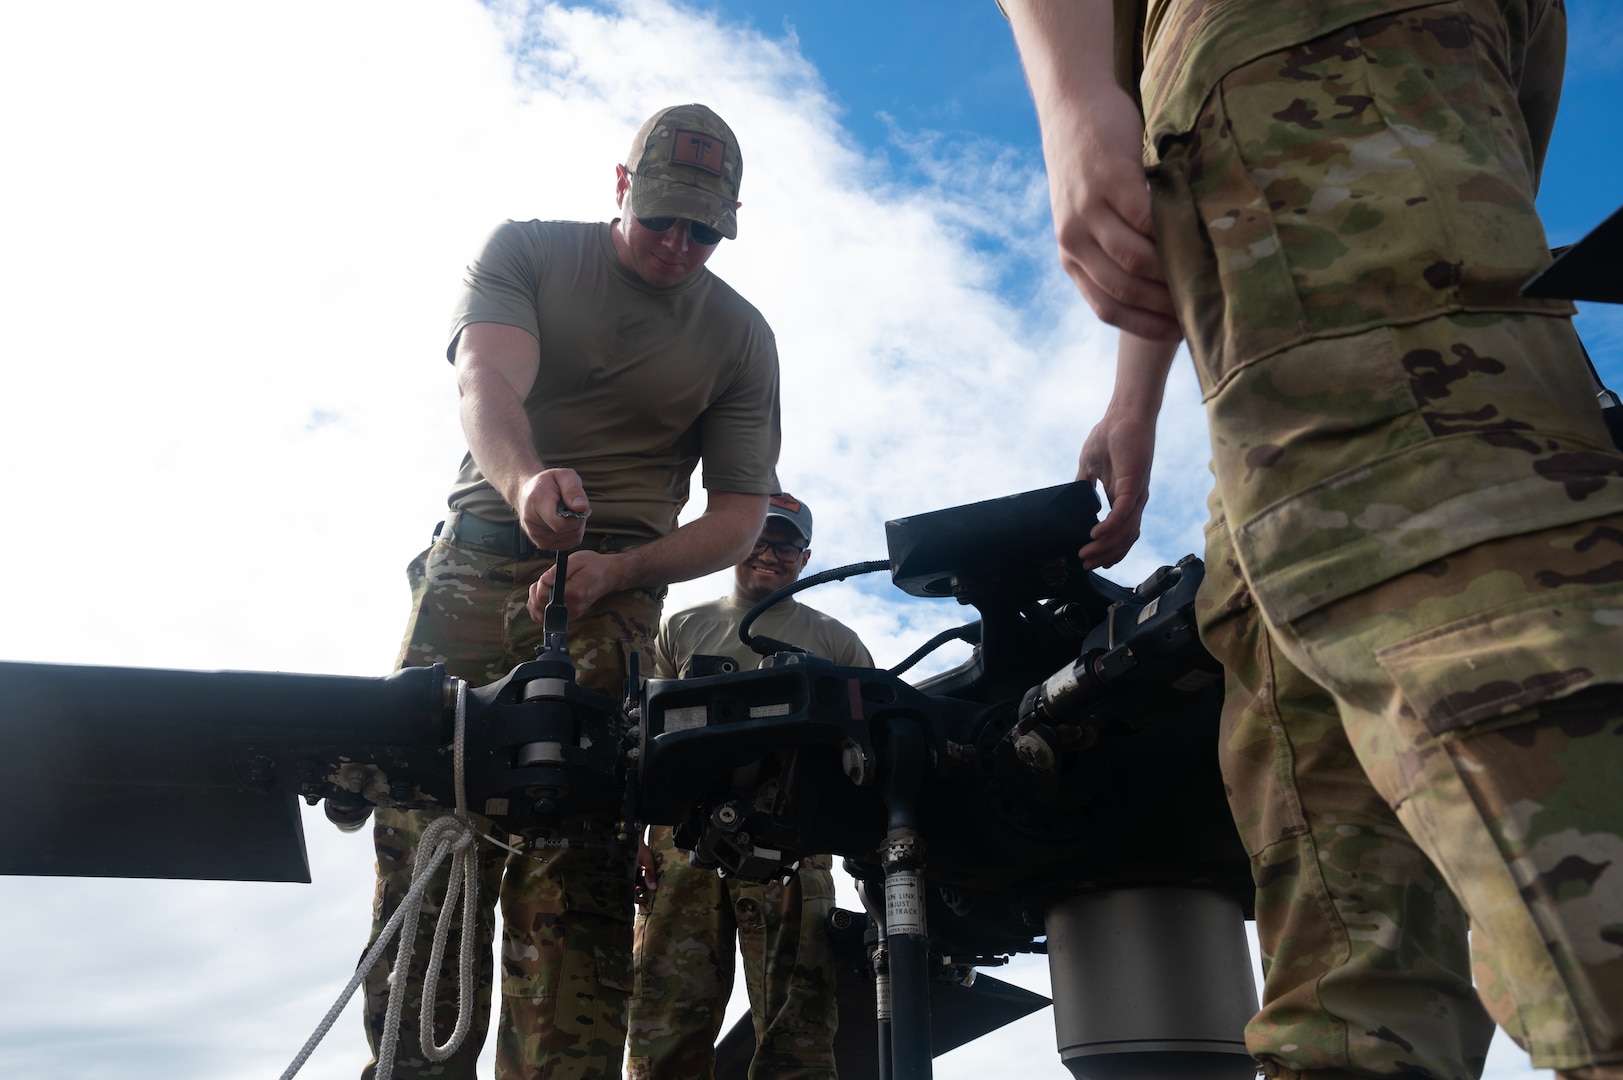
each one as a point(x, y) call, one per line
point(787, 550)
point(699, 234)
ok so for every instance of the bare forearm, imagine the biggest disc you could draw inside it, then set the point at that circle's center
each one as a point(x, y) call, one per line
point(718, 538)
point(496, 368)
point(498, 432)
point(1142, 367)
point(1093, 147)
point(1066, 47)
point(1120, 450)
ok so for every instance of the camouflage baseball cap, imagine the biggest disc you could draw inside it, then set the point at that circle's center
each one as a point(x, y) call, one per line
point(785, 507)
point(685, 163)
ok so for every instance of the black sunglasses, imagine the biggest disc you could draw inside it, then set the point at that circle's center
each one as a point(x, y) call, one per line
point(699, 234)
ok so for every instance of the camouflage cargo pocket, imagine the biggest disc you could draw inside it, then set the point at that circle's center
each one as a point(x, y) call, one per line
point(1467, 674)
point(567, 925)
point(1380, 174)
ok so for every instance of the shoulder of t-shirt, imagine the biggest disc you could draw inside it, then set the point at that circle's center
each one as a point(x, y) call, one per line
point(545, 234)
point(550, 225)
point(832, 623)
point(729, 298)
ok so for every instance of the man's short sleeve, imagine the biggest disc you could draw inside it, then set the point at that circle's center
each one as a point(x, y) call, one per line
point(503, 282)
point(843, 645)
point(662, 664)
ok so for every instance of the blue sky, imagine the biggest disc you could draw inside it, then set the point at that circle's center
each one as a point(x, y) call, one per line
point(911, 65)
point(950, 67)
point(230, 238)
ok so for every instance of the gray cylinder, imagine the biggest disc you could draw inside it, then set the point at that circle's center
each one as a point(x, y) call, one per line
point(1153, 984)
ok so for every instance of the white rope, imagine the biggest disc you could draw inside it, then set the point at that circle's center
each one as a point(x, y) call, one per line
point(454, 836)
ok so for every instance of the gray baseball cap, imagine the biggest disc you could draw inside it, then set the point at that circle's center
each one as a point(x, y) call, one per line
point(785, 507)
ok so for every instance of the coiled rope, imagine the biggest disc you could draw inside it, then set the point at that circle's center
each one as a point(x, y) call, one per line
point(454, 836)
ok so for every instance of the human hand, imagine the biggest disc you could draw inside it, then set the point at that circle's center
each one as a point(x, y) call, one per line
point(591, 577)
point(1117, 454)
point(1101, 207)
point(647, 876)
point(540, 499)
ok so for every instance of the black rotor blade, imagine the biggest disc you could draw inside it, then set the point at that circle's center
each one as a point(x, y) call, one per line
point(1591, 269)
point(134, 772)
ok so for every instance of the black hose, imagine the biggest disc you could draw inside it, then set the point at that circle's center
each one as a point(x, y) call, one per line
point(767, 646)
point(970, 632)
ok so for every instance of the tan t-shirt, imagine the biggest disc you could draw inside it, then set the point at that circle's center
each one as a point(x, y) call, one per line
point(711, 629)
point(637, 383)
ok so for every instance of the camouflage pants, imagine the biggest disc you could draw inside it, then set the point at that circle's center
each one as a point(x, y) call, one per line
point(684, 974)
point(566, 946)
point(1415, 566)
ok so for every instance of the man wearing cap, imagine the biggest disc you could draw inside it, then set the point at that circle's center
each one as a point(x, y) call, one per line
point(686, 933)
point(597, 364)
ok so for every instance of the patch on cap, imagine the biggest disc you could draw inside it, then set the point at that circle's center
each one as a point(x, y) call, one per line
point(699, 150)
point(785, 507)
